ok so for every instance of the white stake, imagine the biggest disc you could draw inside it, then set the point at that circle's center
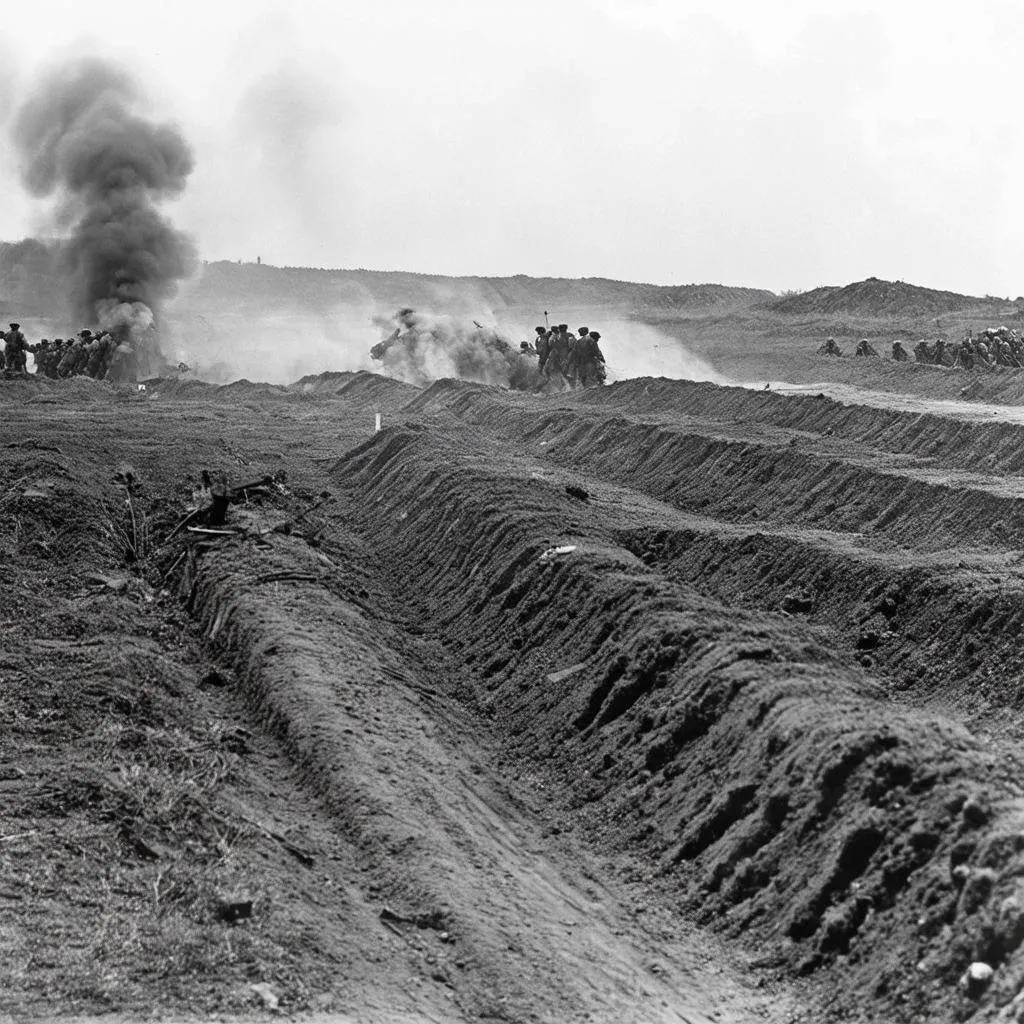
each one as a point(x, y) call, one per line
point(376, 428)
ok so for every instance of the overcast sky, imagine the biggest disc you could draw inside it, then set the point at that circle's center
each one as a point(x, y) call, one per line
point(770, 144)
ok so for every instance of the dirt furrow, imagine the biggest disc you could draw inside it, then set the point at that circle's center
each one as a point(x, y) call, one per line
point(982, 443)
point(746, 481)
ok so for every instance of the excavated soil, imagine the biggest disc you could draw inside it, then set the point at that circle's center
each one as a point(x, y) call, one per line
point(662, 701)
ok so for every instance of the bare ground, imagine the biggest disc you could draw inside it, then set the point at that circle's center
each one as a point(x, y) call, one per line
point(664, 701)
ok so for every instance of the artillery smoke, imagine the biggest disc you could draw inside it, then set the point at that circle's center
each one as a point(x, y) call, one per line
point(421, 348)
point(82, 142)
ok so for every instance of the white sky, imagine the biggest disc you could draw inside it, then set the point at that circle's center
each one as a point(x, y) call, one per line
point(771, 144)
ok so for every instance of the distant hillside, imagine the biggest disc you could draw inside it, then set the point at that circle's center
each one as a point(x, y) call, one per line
point(875, 297)
point(265, 287)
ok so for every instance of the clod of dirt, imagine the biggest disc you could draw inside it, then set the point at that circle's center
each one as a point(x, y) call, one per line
point(868, 640)
point(976, 979)
point(233, 910)
point(577, 492)
point(267, 995)
point(798, 601)
point(975, 812)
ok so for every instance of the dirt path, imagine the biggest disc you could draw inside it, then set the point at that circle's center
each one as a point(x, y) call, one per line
point(853, 395)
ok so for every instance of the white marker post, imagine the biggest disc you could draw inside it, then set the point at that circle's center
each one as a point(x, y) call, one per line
point(376, 425)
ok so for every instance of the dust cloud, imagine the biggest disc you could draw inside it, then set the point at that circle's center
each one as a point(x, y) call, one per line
point(281, 345)
point(633, 349)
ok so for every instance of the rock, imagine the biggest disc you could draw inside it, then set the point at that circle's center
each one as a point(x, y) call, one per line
point(267, 994)
point(976, 979)
point(975, 812)
point(798, 601)
point(868, 640)
point(233, 910)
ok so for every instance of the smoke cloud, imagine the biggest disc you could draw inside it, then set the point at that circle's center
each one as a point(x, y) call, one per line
point(84, 142)
point(421, 348)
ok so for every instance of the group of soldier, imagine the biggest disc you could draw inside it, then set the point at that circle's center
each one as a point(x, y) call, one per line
point(91, 355)
point(572, 360)
point(995, 346)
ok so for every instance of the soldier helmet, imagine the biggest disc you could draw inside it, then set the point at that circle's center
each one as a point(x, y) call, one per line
point(14, 327)
point(85, 333)
point(540, 330)
point(595, 334)
point(583, 330)
point(563, 327)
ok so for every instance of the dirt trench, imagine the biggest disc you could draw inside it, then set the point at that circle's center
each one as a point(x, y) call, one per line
point(510, 720)
point(463, 869)
point(276, 801)
point(730, 747)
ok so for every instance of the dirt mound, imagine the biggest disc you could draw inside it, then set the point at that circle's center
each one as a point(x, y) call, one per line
point(329, 380)
point(781, 796)
point(373, 388)
point(875, 297)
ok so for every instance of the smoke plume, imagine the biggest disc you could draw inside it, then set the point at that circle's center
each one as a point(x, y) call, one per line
point(84, 142)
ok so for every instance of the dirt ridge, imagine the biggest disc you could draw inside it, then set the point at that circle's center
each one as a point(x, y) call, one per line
point(718, 738)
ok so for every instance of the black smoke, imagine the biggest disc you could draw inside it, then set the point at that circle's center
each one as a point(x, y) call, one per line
point(84, 142)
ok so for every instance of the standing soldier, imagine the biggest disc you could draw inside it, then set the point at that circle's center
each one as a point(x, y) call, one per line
point(590, 365)
point(543, 345)
point(15, 347)
point(558, 353)
point(41, 352)
point(578, 354)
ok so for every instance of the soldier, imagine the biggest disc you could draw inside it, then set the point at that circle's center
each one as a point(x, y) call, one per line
point(96, 364)
point(829, 348)
point(15, 347)
point(66, 366)
point(577, 354)
point(590, 364)
point(41, 352)
point(965, 357)
point(559, 352)
point(56, 354)
point(864, 348)
point(82, 350)
point(543, 344)
point(899, 353)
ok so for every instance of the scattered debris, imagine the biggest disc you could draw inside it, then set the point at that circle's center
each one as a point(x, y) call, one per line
point(564, 549)
point(976, 979)
point(801, 600)
point(267, 994)
point(565, 673)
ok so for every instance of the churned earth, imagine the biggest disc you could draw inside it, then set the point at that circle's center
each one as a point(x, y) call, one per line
point(658, 702)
